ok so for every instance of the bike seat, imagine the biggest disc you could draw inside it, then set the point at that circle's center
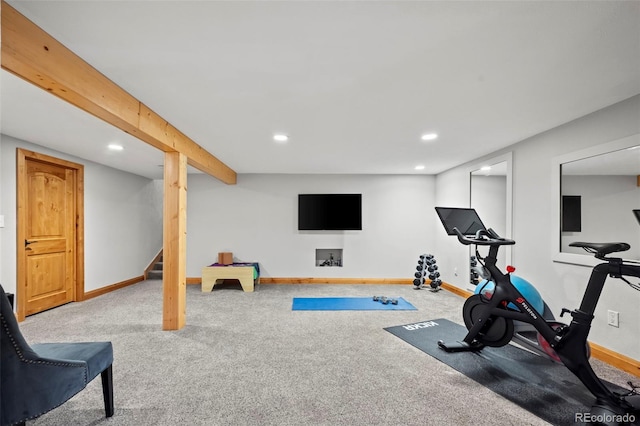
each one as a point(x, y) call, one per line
point(601, 249)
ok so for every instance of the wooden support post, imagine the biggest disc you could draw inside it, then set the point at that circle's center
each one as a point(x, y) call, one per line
point(174, 241)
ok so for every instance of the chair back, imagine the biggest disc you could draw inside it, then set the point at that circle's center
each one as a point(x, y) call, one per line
point(13, 344)
point(12, 347)
point(36, 379)
point(17, 362)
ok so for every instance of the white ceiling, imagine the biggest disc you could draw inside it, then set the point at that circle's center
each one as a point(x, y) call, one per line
point(353, 83)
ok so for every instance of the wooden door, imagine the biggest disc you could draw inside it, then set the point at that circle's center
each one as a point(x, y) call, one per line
point(47, 221)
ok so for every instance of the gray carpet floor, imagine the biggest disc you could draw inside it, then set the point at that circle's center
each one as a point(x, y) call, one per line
point(248, 359)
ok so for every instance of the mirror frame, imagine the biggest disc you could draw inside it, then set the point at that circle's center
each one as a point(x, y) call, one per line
point(616, 145)
point(476, 165)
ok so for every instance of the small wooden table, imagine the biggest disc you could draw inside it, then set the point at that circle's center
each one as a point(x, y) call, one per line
point(246, 273)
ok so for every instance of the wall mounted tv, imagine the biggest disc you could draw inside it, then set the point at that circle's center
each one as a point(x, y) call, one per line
point(330, 212)
point(571, 213)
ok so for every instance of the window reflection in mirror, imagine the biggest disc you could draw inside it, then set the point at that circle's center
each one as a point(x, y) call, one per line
point(489, 197)
point(598, 195)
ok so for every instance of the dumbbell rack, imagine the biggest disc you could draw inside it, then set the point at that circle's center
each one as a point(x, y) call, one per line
point(474, 277)
point(427, 268)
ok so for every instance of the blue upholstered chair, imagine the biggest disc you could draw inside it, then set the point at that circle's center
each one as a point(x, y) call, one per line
point(38, 378)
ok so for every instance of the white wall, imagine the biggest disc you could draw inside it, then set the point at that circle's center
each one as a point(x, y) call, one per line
point(123, 225)
point(123, 219)
point(606, 205)
point(489, 198)
point(562, 285)
point(452, 190)
point(257, 221)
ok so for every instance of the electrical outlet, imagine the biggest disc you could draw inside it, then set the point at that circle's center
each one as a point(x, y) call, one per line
point(613, 318)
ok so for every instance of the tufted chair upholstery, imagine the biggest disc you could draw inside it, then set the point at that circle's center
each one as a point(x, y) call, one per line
point(38, 378)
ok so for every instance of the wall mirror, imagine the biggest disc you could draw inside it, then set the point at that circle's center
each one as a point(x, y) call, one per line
point(490, 194)
point(596, 193)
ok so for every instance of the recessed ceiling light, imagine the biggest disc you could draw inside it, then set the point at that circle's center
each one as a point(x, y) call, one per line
point(429, 136)
point(280, 137)
point(115, 147)
point(485, 168)
point(420, 167)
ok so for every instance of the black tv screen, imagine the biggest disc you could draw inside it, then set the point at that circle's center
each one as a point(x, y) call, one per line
point(466, 220)
point(571, 213)
point(330, 212)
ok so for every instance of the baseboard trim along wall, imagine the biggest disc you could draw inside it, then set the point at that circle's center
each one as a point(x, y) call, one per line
point(456, 290)
point(113, 287)
point(621, 362)
point(270, 280)
point(400, 281)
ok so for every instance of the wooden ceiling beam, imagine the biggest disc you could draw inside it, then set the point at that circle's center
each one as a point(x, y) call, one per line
point(33, 55)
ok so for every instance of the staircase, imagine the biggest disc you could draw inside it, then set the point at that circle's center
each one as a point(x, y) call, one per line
point(154, 271)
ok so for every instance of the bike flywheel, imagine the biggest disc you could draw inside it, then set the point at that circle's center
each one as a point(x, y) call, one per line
point(497, 331)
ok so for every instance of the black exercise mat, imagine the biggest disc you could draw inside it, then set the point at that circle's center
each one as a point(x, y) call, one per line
point(546, 389)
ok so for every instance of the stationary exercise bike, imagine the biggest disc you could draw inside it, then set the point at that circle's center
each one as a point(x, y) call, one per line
point(490, 321)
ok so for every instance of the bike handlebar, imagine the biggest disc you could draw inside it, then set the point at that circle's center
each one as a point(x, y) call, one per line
point(615, 267)
point(483, 237)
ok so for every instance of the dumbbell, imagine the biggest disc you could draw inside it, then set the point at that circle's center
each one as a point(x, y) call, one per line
point(435, 284)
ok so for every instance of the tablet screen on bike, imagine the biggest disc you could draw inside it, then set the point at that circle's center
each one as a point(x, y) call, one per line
point(466, 220)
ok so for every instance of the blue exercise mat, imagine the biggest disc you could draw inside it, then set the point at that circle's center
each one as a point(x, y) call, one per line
point(348, 304)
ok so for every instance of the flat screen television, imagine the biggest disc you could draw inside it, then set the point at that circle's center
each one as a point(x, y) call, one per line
point(571, 213)
point(330, 212)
